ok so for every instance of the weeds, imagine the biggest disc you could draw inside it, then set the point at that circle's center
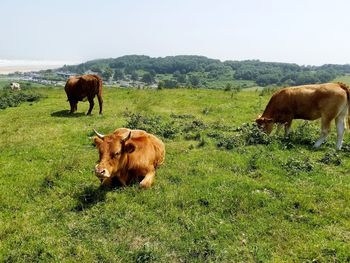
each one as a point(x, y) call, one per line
point(268, 91)
point(302, 135)
point(153, 124)
point(331, 158)
point(194, 126)
point(203, 251)
point(295, 166)
point(181, 116)
point(145, 255)
point(253, 135)
point(247, 134)
point(14, 98)
point(253, 163)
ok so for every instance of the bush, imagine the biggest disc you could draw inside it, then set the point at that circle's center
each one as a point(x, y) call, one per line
point(295, 166)
point(228, 143)
point(302, 135)
point(331, 158)
point(248, 134)
point(14, 98)
point(153, 124)
point(194, 126)
point(253, 135)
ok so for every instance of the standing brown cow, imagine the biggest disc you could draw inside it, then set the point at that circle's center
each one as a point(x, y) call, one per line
point(80, 88)
point(309, 102)
point(128, 156)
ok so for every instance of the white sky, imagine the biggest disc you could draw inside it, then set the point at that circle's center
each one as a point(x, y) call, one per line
point(307, 32)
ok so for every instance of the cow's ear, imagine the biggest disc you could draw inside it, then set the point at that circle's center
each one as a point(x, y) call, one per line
point(129, 148)
point(123, 140)
point(97, 141)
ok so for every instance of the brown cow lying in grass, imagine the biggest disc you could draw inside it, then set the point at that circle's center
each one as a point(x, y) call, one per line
point(309, 102)
point(128, 156)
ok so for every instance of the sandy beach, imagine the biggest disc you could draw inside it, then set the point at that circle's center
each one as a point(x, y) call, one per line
point(26, 68)
point(21, 65)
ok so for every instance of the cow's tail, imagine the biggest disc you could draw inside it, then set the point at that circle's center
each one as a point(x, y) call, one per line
point(100, 86)
point(99, 80)
point(346, 88)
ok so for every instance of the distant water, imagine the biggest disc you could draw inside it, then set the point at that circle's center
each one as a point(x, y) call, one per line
point(9, 66)
point(22, 62)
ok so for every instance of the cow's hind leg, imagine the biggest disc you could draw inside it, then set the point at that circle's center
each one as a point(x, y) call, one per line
point(148, 180)
point(73, 106)
point(100, 102)
point(340, 124)
point(91, 102)
point(325, 127)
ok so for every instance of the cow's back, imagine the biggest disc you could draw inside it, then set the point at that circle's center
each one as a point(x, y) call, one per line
point(79, 87)
point(305, 102)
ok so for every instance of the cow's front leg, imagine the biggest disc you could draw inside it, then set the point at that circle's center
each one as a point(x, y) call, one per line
point(287, 128)
point(73, 106)
point(91, 102)
point(148, 180)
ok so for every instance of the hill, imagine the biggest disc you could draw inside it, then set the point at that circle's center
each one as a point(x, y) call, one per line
point(200, 71)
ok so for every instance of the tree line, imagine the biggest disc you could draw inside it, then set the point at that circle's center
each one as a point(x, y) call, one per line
point(198, 71)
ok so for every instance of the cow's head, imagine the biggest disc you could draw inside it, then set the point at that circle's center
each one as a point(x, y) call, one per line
point(266, 124)
point(113, 150)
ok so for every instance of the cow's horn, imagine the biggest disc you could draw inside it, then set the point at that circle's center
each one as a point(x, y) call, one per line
point(126, 137)
point(99, 135)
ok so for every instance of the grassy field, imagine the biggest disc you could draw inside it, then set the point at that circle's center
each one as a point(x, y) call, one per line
point(226, 192)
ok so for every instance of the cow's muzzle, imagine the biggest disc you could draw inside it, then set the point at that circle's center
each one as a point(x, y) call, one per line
point(101, 172)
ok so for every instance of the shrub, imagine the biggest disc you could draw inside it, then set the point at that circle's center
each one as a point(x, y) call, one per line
point(296, 166)
point(247, 134)
point(331, 158)
point(192, 136)
point(194, 126)
point(253, 135)
point(302, 135)
point(14, 98)
point(152, 124)
point(228, 143)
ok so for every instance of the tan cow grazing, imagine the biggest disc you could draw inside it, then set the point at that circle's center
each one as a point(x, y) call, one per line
point(80, 88)
point(309, 102)
point(128, 156)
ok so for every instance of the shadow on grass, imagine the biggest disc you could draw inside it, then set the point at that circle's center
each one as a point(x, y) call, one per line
point(89, 197)
point(67, 114)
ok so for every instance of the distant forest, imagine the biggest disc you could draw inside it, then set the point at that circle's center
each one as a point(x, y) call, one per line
point(200, 71)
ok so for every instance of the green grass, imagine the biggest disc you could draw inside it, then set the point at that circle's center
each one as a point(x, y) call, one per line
point(281, 201)
point(344, 78)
